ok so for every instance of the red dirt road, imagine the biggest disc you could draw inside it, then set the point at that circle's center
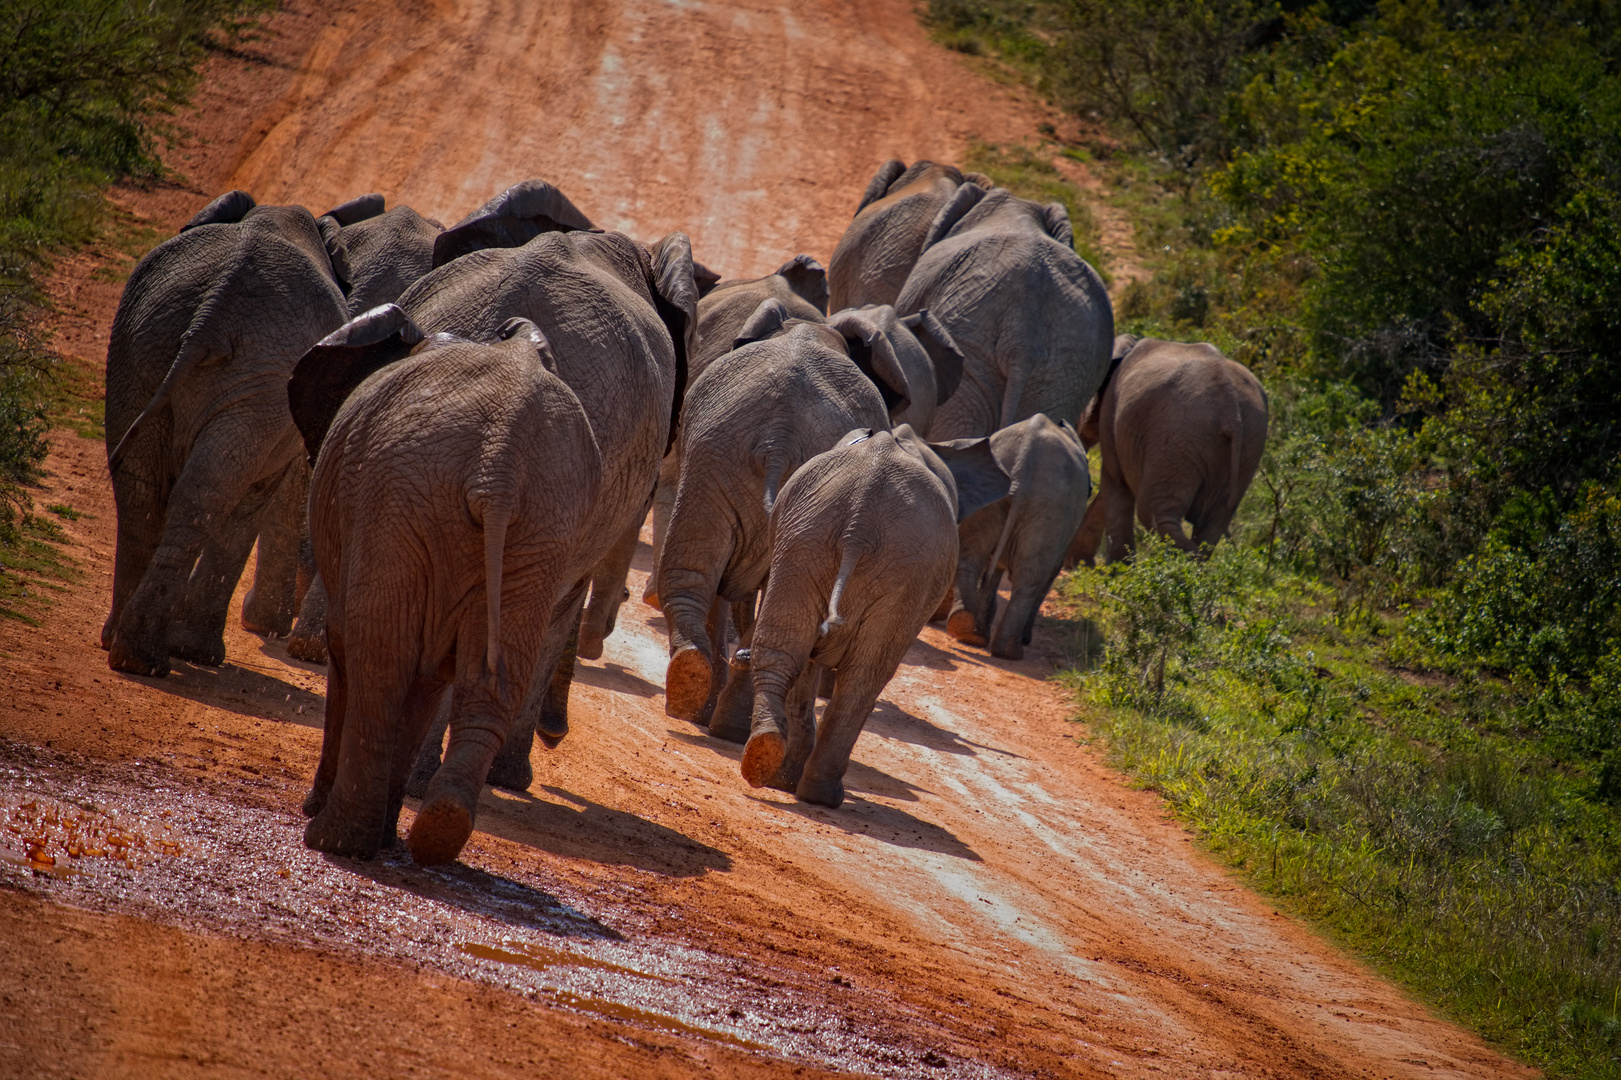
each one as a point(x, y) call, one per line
point(990, 901)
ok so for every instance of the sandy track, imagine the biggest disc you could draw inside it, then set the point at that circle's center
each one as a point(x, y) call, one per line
point(990, 898)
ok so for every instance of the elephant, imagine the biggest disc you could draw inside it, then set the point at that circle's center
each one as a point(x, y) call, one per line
point(201, 449)
point(1181, 430)
point(620, 319)
point(445, 557)
point(879, 249)
point(787, 392)
point(865, 535)
point(1032, 319)
point(800, 284)
point(1027, 534)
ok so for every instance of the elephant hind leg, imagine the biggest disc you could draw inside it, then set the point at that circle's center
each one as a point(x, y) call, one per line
point(197, 625)
point(855, 692)
point(271, 605)
point(337, 685)
point(692, 681)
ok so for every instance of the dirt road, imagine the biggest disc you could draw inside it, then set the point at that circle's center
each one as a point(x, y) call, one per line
point(990, 901)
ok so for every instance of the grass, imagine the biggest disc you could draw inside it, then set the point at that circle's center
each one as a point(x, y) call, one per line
point(35, 568)
point(1409, 815)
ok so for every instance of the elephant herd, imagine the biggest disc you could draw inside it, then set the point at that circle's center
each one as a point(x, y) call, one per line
point(445, 442)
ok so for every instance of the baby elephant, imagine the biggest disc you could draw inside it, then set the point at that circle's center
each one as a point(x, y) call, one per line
point(863, 544)
point(450, 493)
point(1026, 534)
point(1181, 429)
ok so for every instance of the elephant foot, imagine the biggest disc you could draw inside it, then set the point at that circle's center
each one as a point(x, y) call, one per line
point(944, 610)
point(590, 646)
point(314, 802)
point(311, 648)
point(274, 622)
point(762, 757)
point(734, 708)
point(829, 793)
point(440, 831)
point(511, 773)
point(1012, 650)
point(342, 837)
point(651, 599)
point(961, 626)
point(422, 770)
point(199, 648)
point(686, 684)
point(123, 657)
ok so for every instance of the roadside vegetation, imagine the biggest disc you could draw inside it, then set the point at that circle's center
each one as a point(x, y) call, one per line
point(87, 90)
point(1394, 698)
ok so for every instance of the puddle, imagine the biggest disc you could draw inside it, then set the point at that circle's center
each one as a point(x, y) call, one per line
point(154, 845)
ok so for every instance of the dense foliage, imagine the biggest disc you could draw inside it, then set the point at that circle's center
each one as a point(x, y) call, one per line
point(85, 90)
point(1406, 216)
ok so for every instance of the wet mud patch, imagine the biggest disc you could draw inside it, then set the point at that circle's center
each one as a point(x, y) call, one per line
point(144, 840)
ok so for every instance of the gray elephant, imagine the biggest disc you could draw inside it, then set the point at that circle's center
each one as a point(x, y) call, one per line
point(201, 448)
point(1033, 320)
point(800, 285)
point(1026, 534)
point(863, 542)
point(1181, 430)
point(387, 251)
point(880, 247)
point(446, 558)
point(620, 319)
point(788, 392)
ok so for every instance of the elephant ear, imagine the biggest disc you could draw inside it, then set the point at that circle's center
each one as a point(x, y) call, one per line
point(1055, 220)
point(675, 295)
point(943, 352)
point(524, 330)
point(855, 435)
point(878, 186)
point(808, 280)
point(511, 219)
point(965, 199)
point(980, 480)
point(326, 375)
point(359, 208)
point(704, 278)
point(337, 252)
point(978, 178)
point(762, 322)
point(231, 207)
point(874, 354)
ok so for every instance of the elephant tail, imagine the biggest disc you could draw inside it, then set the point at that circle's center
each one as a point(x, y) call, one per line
point(847, 566)
point(497, 513)
point(775, 466)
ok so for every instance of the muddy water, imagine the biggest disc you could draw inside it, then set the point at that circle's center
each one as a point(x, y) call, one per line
point(197, 861)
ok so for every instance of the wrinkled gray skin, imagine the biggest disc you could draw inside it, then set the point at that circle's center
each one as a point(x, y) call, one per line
point(882, 244)
point(446, 557)
point(201, 448)
point(800, 284)
point(385, 252)
point(619, 321)
point(1031, 317)
point(1181, 430)
point(863, 542)
point(1026, 534)
point(753, 417)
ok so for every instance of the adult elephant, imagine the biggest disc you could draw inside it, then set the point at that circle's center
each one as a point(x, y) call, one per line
point(446, 558)
point(1032, 319)
point(201, 447)
point(789, 391)
point(619, 318)
point(1181, 430)
point(880, 247)
point(800, 285)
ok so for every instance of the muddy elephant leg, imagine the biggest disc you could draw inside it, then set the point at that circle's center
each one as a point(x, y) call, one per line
point(608, 591)
point(854, 694)
point(197, 623)
point(210, 489)
point(963, 621)
point(783, 727)
point(141, 491)
point(663, 506)
point(1084, 547)
point(307, 642)
point(1018, 618)
point(690, 680)
point(730, 718)
point(426, 706)
point(271, 605)
point(546, 708)
point(337, 684)
point(430, 753)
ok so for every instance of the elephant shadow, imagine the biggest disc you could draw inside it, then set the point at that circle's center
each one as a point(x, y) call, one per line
point(926, 654)
point(887, 824)
point(574, 827)
point(240, 690)
point(480, 893)
point(890, 721)
point(617, 678)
